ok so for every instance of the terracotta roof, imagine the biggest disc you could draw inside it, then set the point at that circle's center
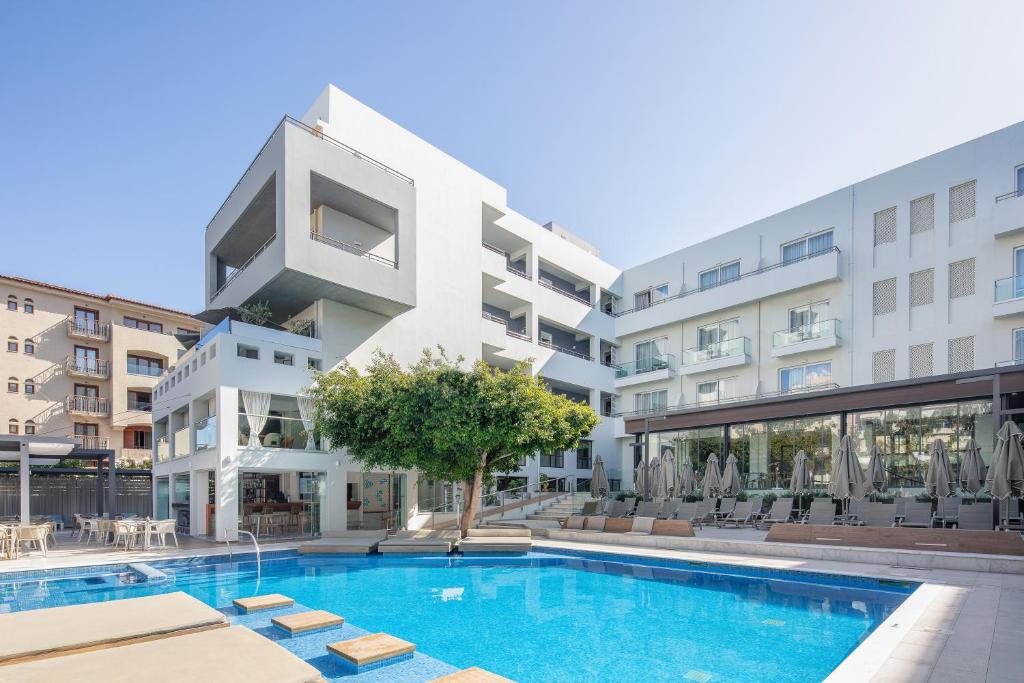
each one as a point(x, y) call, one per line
point(102, 297)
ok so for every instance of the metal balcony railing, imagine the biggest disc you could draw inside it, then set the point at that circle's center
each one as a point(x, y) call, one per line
point(665, 361)
point(518, 335)
point(571, 295)
point(816, 330)
point(493, 318)
point(562, 349)
point(1011, 195)
point(724, 349)
point(722, 400)
point(351, 248)
point(88, 329)
point(230, 278)
point(520, 273)
point(97, 443)
point(87, 367)
point(88, 405)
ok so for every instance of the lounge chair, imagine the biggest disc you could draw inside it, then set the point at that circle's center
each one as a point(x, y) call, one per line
point(647, 508)
point(757, 506)
point(668, 508)
point(706, 509)
point(780, 513)
point(616, 509)
point(725, 509)
point(224, 654)
point(690, 512)
point(54, 631)
point(423, 541)
point(496, 540)
point(977, 517)
point(630, 503)
point(946, 510)
point(823, 512)
point(917, 515)
point(642, 526)
point(355, 542)
point(595, 524)
point(590, 507)
point(876, 515)
point(901, 504)
point(741, 515)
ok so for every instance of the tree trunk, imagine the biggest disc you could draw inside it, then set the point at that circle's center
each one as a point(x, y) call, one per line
point(473, 493)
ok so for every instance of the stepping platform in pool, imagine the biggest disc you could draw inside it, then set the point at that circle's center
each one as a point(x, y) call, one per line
point(474, 674)
point(307, 622)
point(371, 652)
point(262, 602)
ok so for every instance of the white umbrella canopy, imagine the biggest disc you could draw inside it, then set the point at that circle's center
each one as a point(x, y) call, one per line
point(972, 468)
point(598, 479)
point(640, 478)
point(938, 479)
point(847, 480)
point(668, 468)
point(657, 478)
point(1005, 476)
point(878, 477)
point(712, 478)
point(731, 482)
point(801, 479)
point(687, 479)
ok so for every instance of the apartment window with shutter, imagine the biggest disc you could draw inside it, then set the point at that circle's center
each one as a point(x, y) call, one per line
point(922, 287)
point(883, 366)
point(885, 226)
point(962, 201)
point(961, 278)
point(922, 214)
point(884, 297)
point(922, 360)
point(961, 354)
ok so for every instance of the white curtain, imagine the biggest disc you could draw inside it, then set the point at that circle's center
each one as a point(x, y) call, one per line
point(257, 406)
point(306, 413)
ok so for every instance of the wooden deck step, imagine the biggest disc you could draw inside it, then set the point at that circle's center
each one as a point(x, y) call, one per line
point(474, 674)
point(377, 648)
point(307, 622)
point(262, 602)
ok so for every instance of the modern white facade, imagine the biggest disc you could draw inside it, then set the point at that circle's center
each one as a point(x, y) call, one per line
point(355, 229)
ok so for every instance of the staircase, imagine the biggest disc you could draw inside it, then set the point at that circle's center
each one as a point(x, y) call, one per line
point(561, 507)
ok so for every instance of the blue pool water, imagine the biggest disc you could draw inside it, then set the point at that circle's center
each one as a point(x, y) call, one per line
point(542, 617)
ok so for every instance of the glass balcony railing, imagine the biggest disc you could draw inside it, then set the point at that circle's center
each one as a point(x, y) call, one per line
point(206, 433)
point(163, 451)
point(740, 346)
point(1009, 288)
point(146, 369)
point(182, 442)
point(278, 432)
point(823, 329)
point(665, 361)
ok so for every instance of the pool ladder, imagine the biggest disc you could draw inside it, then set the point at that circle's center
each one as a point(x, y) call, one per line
point(231, 555)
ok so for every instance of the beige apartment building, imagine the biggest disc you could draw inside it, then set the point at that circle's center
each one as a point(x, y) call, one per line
point(84, 365)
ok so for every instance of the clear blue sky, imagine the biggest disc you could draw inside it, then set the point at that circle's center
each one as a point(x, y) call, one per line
point(643, 126)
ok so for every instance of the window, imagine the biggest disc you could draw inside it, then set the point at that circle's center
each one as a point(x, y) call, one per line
point(1018, 345)
point(12, 345)
point(922, 287)
point(202, 359)
point(719, 275)
point(144, 325)
point(1020, 180)
point(141, 365)
point(282, 358)
point(961, 201)
point(186, 370)
point(922, 214)
point(805, 377)
point(805, 317)
point(213, 351)
point(583, 451)
point(614, 485)
point(195, 364)
point(883, 366)
point(961, 278)
point(12, 385)
point(12, 426)
point(961, 354)
point(649, 355)
point(250, 352)
point(885, 226)
point(804, 247)
point(884, 297)
point(922, 359)
point(29, 307)
point(12, 303)
point(30, 387)
point(313, 364)
point(650, 296)
point(713, 336)
point(29, 346)
point(710, 392)
point(556, 459)
point(30, 427)
point(651, 401)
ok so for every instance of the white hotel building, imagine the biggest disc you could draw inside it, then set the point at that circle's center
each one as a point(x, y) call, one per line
point(846, 313)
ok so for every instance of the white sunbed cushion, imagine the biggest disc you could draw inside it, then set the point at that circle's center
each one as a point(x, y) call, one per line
point(226, 655)
point(42, 631)
point(642, 525)
point(575, 522)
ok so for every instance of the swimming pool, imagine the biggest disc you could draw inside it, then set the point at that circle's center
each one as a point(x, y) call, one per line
point(546, 616)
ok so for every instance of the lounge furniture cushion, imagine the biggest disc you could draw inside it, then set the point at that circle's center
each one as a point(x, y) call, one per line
point(226, 655)
point(56, 630)
point(641, 526)
point(575, 522)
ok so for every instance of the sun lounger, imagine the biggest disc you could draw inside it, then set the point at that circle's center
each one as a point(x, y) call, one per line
point(823, 512)
point(591, 507)
point(496, 541)
point(725, 509)
point(356, 542)
point(876, 515)
point(689, 512)
point(647, 508)
point(41, 633)
point(901, 504)
point(977, 517)
point(642, 526)
point(423, 541)
point(780, 513)
point(224, 654)
point(668, 508)
point(946, 510)
point(706, 509)
point(630, 503)
point(918, 514)
point(757, 506)
point(741, 515)
point(616, 509)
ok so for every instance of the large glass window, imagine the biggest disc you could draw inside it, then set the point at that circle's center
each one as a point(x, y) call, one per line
point(651, 401)
point(719, 275)
point(807, 246)
point(583, 452)
point(556, 459)
point(698, 444)
point(710, 335)
point(282, 426)
point(805, 377)
point(805, 316)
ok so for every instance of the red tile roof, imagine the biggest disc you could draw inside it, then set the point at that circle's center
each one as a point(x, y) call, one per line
point(102, 297)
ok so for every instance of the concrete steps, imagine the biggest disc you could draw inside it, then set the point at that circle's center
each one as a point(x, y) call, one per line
point(570, 504)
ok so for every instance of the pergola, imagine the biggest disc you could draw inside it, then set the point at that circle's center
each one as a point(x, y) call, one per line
point(29, 451)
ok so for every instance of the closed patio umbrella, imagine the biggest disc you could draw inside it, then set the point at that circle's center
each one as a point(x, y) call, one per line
point(657, 478)
point(1005, 477)
point(687, 479)
point(938, 480)
point(712, 478)
point(640, 478)
point(598, 479)
point(668, 468)
point(847, 480)
point(878, 478)
point(972, 468)
point(801, 479)
point(731, 482)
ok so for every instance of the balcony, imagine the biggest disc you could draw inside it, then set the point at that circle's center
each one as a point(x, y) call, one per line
point(182, 442)
point(725, 354)
point(95, 443)
point(654, 369)
point(278, 432)
point(548, 284)
point(144, 369)
point(823, 334)
point(562, 349)
point(352, 249)
point(1008, 214)
point(163, 451)
point(1009, 296)
point(90, 368)
point(206, 433)
point(135, 457)
point(87, 405)
point(85, 329)
point(140, 405)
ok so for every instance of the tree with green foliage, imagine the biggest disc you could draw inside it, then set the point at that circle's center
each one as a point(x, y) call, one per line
point(450, 423)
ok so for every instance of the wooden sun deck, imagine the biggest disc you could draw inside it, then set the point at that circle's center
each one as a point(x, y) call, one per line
point(370, 649)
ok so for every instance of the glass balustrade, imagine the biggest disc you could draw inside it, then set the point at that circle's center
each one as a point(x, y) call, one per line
point(206, 433)
point(823, 329)
point(665, 361)
point(1009, 288)
point(740, 346)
